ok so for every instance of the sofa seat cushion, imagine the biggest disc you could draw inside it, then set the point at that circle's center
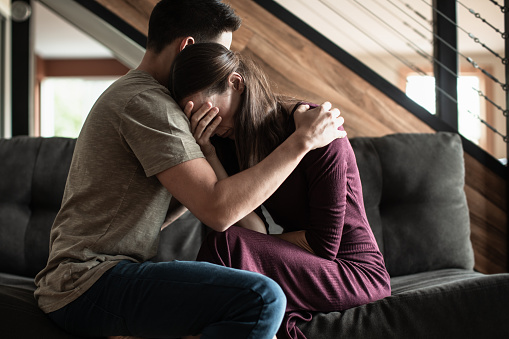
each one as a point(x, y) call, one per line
point(21, 318)
point(440, 304)
point(17, 281)
point(427, 280)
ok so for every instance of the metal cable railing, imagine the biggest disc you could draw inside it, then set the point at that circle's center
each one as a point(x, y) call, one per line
point(412, 23)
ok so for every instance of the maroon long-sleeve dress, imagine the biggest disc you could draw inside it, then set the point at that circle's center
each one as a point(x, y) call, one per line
point(323, 196)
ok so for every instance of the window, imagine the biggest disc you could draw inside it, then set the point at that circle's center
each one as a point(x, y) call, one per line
point(71, 69)
point(66, 102)
point(421, 89)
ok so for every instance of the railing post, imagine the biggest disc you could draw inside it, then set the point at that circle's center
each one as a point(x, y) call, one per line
point(22, 88)
point(506, 45)
point(445, 61)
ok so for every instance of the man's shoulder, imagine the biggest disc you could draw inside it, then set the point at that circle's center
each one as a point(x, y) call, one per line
point(135, 82)
point(136, 89)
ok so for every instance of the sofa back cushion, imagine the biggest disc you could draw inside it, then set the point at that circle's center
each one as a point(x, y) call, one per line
point(413, 186)
point(33, 172)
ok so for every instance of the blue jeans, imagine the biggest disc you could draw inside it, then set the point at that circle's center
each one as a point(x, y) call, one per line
point(174, 299)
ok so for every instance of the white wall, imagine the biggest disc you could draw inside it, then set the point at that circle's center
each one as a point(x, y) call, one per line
point(5, 6)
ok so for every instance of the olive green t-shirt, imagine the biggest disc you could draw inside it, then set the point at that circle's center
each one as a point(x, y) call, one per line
point(113, 205)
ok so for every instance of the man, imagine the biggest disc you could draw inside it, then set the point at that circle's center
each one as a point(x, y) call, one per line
point(134, 155)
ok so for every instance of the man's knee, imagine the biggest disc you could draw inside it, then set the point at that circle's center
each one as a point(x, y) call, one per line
point(272, 295)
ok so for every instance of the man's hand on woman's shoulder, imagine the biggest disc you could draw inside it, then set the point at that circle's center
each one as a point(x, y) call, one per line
point(318, 126)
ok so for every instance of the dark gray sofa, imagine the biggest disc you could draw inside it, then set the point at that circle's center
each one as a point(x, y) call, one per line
point(416, 205)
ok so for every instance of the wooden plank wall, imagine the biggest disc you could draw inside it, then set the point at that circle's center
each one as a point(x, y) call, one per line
point(301, 69)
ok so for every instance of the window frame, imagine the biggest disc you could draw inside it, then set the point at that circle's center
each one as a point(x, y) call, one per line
point(486, 140)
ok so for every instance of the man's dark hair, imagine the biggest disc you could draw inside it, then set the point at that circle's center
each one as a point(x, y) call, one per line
point(204, 20)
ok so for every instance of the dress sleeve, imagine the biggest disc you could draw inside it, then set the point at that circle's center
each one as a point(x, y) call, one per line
point(326, 172)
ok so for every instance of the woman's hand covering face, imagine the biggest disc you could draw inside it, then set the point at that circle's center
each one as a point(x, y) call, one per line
point(204, 122)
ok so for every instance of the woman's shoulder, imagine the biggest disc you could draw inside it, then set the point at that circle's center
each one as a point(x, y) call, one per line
point(338, 152)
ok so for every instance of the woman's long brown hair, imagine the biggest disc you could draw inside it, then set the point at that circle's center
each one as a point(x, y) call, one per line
point(262, 122)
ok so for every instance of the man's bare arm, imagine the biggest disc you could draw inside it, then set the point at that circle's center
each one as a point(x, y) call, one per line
point(203, 125)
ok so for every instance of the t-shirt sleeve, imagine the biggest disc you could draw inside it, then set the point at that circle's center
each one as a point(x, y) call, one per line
point(326, 172)
point(158, 132)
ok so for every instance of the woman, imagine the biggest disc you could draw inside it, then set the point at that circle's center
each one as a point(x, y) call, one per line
point(327, 258)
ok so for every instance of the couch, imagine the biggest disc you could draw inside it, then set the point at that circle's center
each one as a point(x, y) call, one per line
point(415, 202)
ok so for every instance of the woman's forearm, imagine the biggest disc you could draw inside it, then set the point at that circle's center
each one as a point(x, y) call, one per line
point(216, 166)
